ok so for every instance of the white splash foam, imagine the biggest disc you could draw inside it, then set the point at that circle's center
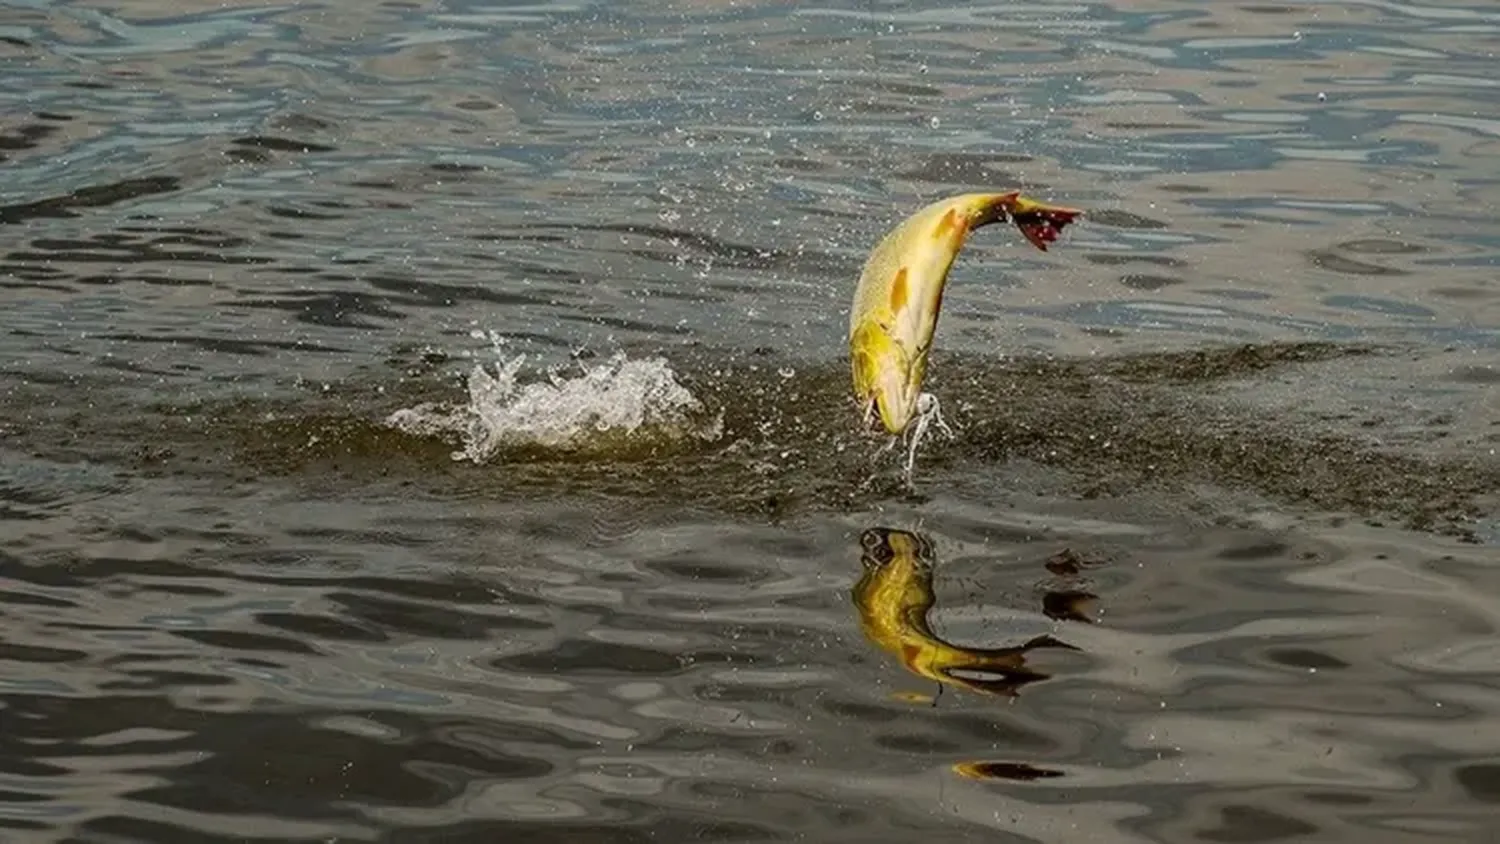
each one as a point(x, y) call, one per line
point(619, 397)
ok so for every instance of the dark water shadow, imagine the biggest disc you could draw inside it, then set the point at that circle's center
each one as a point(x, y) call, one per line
point(95, 196)
point(779, 446)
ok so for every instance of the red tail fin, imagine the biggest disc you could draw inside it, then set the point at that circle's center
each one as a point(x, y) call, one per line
point(1041, 224)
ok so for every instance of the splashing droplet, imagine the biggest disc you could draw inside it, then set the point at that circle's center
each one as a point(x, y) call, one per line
point(620, 397)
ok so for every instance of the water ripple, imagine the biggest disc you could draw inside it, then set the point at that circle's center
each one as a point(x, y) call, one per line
point(236, 605)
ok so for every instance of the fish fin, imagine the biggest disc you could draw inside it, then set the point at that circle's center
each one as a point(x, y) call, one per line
point(1047, 641)
point(1039, 222)
point(992, 672)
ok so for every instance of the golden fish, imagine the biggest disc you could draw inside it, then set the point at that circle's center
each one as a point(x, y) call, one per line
point(894, 597)
point(901, 291)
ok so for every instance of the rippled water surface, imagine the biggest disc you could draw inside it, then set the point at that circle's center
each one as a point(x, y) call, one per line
point(429, 421)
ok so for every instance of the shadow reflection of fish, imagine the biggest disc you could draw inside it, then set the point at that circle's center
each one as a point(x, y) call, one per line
point(894, 596)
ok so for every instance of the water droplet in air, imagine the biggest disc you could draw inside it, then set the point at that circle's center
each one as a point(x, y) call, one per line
point(817, 115)
point(934, 122)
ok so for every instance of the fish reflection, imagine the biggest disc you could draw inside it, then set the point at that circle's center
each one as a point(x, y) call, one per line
point(1015, 771)
point(894, 596)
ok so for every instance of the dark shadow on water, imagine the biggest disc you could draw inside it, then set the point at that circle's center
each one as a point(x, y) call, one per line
point(1101, 428)
point(68, 204)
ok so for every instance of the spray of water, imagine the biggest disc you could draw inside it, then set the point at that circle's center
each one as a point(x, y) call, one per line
point(615, 403)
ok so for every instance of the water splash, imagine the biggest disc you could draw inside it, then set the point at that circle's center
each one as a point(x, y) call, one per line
point(617, 405)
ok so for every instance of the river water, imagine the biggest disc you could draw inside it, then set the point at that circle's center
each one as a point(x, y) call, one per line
point(429, 421)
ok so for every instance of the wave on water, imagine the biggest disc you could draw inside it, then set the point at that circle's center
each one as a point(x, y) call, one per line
point(616, 404)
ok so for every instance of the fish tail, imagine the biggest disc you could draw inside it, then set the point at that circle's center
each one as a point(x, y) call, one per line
point(1039, 222)
point(998, 671)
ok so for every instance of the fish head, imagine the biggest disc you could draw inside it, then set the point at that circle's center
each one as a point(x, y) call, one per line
point(888, 375)
point(897, 586)
point(882, 547)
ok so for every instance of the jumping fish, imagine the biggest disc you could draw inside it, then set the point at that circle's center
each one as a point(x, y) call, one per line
point(900, 293)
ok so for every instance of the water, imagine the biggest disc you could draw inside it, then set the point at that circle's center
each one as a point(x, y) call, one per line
point(429, 422)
